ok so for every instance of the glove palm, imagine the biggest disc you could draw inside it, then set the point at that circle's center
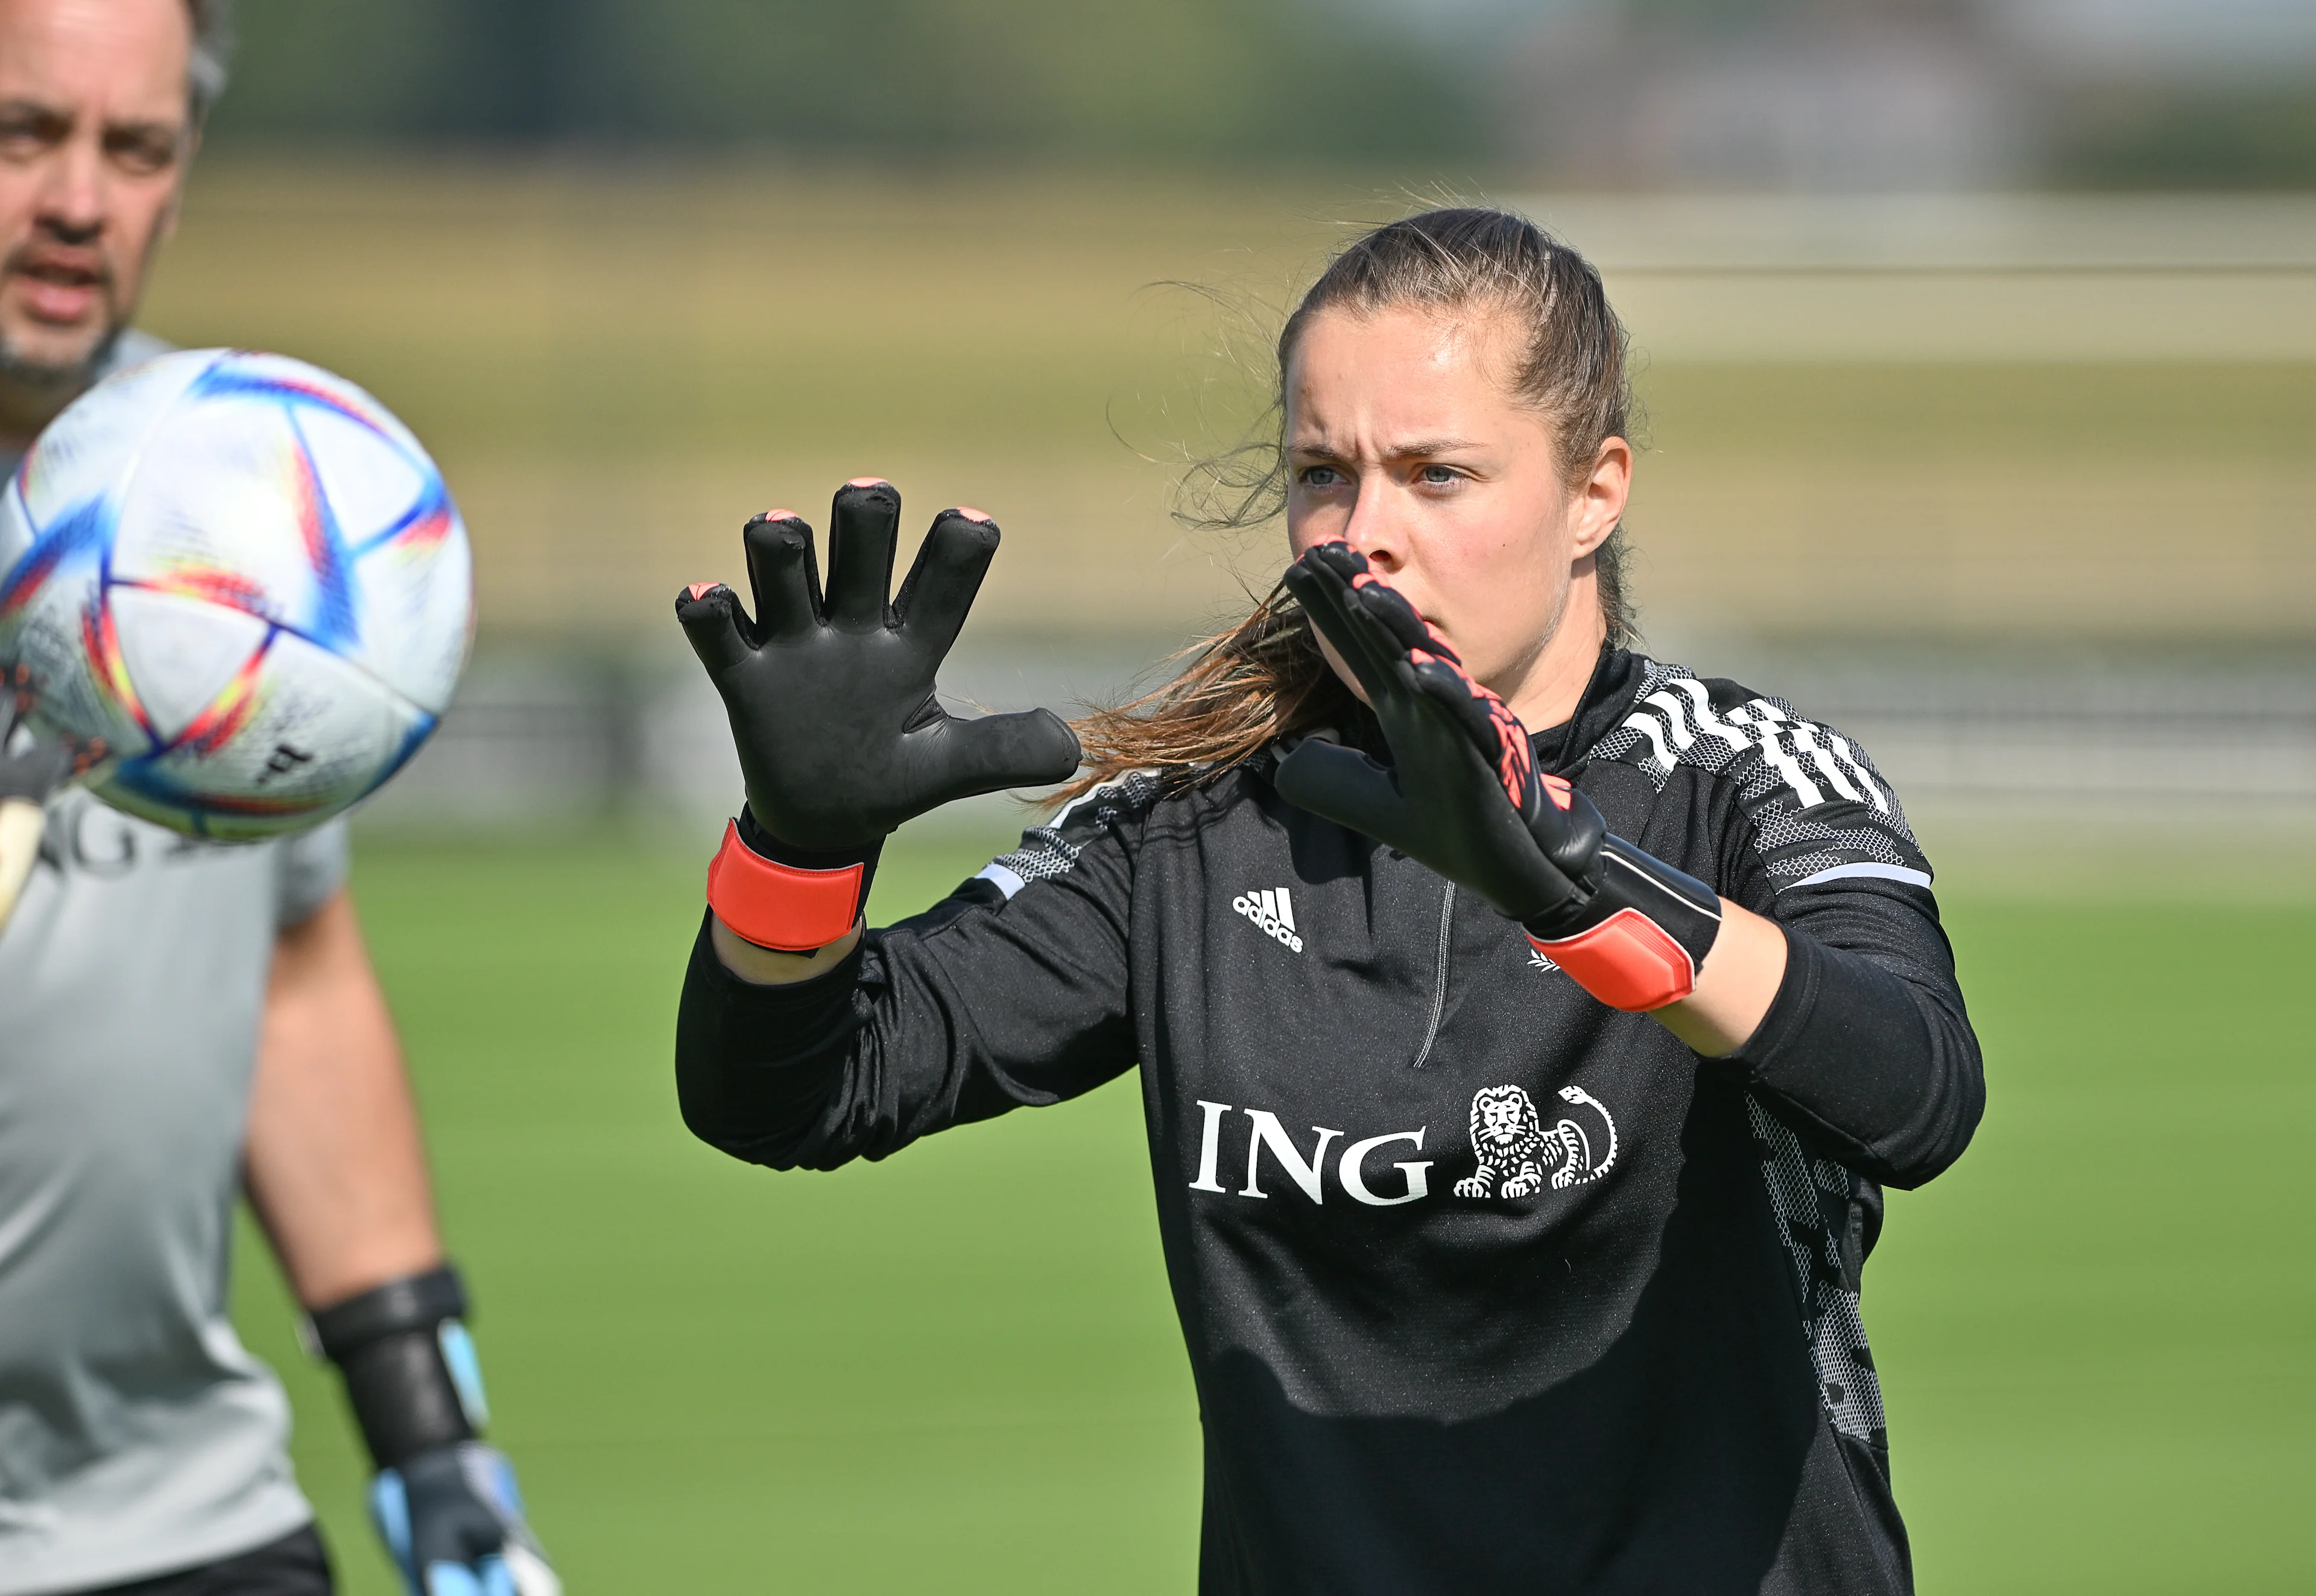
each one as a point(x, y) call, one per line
point(1462, 794)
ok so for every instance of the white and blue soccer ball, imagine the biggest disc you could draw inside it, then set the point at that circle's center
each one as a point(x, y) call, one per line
point(247, 578)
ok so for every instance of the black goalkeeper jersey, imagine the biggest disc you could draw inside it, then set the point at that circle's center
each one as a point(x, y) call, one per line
point(1486, 1286)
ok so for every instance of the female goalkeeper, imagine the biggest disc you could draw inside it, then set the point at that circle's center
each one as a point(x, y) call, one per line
point(1519, 1100)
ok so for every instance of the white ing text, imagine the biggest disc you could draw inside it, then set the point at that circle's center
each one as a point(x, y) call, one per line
point(1265, 1132)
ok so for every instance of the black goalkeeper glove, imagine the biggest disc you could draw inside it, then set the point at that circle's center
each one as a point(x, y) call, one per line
point(445, 1503)
point(1464, 796)
point(452, 1520)
point(833, 708)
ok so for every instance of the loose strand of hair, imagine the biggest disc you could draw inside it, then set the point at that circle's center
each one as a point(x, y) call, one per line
point(1242, 690)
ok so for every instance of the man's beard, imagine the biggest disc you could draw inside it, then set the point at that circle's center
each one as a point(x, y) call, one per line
point(21, 371)
point(54, 381)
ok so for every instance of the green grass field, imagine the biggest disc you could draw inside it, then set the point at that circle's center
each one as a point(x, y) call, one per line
point(959, 1371)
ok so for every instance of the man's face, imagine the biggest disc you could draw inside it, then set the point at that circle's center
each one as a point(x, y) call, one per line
point(95, 130)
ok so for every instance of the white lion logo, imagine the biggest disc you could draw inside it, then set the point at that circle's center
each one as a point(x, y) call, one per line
point(1517, 1154)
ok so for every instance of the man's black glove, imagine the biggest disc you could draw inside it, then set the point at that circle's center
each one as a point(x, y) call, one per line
point(831, 698)
point(1464, 796)
point(452, 1520)
point(444, 1501)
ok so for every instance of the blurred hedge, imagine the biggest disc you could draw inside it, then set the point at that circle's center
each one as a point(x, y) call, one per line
point(2243, 137)
point(1282, 79)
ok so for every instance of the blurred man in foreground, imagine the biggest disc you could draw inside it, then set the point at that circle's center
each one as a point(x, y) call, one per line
point(181, 1021)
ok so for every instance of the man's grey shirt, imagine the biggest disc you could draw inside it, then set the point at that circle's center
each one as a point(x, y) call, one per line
point(137, 1435)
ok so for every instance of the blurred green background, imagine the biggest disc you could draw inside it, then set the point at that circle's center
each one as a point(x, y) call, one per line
point(2110, 94)
point(1978, 346)
point(959, 1371)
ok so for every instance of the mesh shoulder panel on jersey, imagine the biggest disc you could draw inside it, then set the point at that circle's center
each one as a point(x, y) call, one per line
point(1811, 1198)
point(1821, 811)
point(1051, 850)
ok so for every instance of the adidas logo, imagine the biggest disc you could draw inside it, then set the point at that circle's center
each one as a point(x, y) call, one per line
point(1270, 911)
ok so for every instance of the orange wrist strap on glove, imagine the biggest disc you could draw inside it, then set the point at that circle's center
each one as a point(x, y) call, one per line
point(840, 734)
point(1638, 942)
point(785, 899)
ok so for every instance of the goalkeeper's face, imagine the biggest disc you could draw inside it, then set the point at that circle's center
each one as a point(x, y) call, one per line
point(95, 128)
point(1406, 438)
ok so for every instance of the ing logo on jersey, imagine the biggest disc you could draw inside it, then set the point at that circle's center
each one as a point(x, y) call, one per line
point(1517, 1154)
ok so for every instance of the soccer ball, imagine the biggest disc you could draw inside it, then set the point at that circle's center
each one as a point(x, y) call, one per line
point(247, 578)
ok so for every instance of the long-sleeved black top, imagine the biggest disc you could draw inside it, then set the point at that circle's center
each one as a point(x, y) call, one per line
point(1486, 1286)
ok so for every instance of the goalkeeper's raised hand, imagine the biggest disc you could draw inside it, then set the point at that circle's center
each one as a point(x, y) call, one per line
point(1462, 795)
point(831, 698)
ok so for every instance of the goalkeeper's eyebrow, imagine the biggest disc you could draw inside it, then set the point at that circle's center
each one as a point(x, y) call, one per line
point(1422, 448)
